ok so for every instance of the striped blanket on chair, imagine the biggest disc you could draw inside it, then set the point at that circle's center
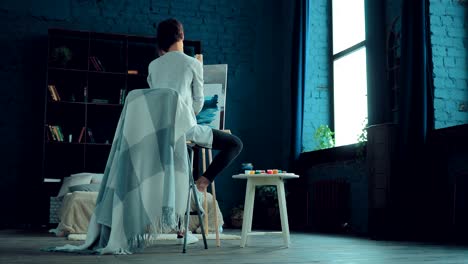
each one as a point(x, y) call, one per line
point(144, 189)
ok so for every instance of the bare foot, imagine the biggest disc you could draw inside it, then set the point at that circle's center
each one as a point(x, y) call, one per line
point(202, 183)
point(62, 234)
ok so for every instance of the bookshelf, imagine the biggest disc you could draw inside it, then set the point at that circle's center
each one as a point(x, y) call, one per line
point(88, 77)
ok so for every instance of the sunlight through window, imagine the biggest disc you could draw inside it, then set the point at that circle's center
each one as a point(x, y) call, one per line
point(350, 98)
point(349, 70)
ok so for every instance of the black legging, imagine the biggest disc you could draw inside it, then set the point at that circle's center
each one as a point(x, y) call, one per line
point(229, 147)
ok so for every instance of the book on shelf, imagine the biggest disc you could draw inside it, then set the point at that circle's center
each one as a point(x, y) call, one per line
point(100, 64)
point(56, 133)
point(100, 101)
point(52, 133)
point(123, 94)
point(85, 94)
point(97, 63)
point(56, 93)
point(53, 93)
point(59, 131)
point(93, 61)
point(91, 137)
point(81, 134)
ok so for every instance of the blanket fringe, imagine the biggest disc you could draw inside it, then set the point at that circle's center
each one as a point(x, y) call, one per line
point(148, 237)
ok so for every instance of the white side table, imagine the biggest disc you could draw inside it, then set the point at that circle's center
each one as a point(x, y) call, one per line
point(254, 180)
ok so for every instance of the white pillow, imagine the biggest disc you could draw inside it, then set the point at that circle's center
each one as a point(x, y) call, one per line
point(76, 179)
point(96, 177)
point(81, 174)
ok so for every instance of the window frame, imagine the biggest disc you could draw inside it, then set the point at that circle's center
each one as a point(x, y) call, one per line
point(333, 57)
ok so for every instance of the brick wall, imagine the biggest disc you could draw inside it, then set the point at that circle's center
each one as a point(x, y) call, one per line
point(449, 37)
point(317, 97)
point(239, 33)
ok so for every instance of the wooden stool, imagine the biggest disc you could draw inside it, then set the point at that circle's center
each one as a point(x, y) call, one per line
point(254, 180)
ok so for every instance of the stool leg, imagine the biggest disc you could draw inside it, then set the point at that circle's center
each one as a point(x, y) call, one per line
point(283, 212)
point(205, 200)
point(198, 212)
point(189, 196)
point(205, 209)
point(187, 219)
point(248, 212)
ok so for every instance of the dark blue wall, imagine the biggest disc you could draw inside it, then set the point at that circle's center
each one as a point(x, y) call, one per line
point(252, 37)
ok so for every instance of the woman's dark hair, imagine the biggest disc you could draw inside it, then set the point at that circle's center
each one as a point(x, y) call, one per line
point(169, 32)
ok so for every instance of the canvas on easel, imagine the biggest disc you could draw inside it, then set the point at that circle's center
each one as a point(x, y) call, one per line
point(213, 111)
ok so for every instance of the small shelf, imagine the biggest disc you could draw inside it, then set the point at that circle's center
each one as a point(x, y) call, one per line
point(66, 102)
point(108, 72)
point(82, 103)
point(98, 144)
point(65, 143)
point(139, 75)
point(102, 104)
point(88, 71)
point(67, 69)
point(78, 143)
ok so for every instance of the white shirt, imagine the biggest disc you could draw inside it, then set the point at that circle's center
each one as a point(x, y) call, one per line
point(178, 71)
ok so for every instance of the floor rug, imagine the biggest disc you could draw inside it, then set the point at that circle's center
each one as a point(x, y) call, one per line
point(82, 237)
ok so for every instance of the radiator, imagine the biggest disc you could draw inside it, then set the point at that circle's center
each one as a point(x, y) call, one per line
point(329, 205)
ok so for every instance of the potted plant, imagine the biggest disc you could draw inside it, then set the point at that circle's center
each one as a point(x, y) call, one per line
point(237, 216)
point(362, 142)
point(324, 137)
point(60, 56)
point(267, 212)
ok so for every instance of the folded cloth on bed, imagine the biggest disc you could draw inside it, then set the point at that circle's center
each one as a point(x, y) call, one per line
point(145, 184)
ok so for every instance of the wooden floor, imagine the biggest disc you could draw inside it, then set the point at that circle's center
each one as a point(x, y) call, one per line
point(18, 246)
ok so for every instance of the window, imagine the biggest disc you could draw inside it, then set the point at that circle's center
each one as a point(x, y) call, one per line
point(349, 70)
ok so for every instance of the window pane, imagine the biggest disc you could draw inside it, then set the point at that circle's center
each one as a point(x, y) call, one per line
point(348, 24)
point(350, 96)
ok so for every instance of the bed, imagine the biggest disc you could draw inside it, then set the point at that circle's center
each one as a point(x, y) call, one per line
point(77, 201)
